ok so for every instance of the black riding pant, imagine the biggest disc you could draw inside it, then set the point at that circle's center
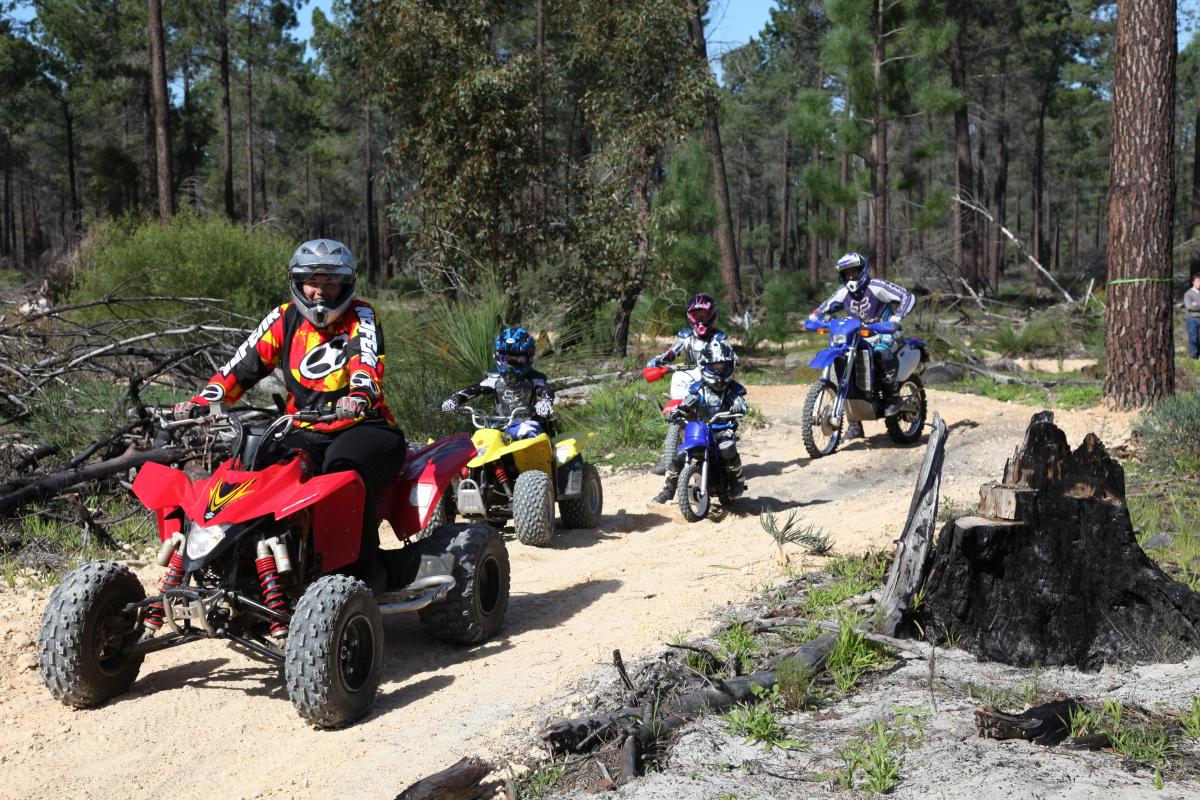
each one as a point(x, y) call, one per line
point(374, 449)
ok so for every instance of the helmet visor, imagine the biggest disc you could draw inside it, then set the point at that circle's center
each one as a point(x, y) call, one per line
point(722, 369)
point(514, 360)
point(702, 314)
point(851, 273)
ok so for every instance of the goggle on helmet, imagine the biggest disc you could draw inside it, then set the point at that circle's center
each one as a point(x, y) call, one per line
point(515, 351)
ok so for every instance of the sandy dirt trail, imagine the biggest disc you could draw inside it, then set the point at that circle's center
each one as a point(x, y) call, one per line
point(206, 720)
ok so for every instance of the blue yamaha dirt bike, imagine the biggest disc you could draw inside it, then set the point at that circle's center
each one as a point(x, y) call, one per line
point(703, 475)
point(851, 386)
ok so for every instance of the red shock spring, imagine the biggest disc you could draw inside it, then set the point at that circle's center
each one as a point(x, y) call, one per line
point(501, 475)
point(172, 578)
point(268, 578)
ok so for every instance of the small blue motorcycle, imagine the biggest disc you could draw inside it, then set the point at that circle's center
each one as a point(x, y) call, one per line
point(851, 386)
point(702, 476)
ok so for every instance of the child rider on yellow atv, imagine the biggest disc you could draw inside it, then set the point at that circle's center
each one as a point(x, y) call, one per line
point(515, 384)
point(716, 391)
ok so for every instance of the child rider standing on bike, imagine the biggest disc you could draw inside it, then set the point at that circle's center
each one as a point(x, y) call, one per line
point(516, 385)
point(330, 347)
point(871, 300)
point(716, 391)
point(692, 340)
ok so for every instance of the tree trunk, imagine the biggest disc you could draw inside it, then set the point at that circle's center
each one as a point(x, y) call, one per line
point(72, 180)
point(250, 214)
point(1075, 232)
point(730, 268)
point(540, 190)
point(1037, 212)
point(879, 175)
point(162, 111)
point(632, 288)
point(843, 214)
point(226, 112)
point(1138, 334)
point(1000, 187)
point(148, 184)
point(372, 227)
point(6, 217)
point(966, 252)
point(1194, 215)
point(785, 200)
point(814, 257)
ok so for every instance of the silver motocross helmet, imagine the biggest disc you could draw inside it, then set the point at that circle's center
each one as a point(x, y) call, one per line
point(716, 364)
point(322, 257)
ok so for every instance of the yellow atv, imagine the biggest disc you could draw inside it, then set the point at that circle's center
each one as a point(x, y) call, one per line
point(522, 479)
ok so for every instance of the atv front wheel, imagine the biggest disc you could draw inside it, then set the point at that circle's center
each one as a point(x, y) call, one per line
point(474, 609)
point(905, 426)
point(333, 658)
point(694, 499)
point(584, 512)
point(821, 433)
point(85, 630)
point(533, 508)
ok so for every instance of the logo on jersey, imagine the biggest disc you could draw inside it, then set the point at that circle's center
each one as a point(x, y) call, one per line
point(326, 358)
point(251, 341)
point(363, 380)
point(213, 393)
point(368, 344)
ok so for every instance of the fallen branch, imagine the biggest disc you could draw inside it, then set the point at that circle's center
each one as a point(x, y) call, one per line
point(461, 781)
point(1020, 247)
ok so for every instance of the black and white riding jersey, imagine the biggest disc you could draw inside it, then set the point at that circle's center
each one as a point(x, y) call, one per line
point(511, 392)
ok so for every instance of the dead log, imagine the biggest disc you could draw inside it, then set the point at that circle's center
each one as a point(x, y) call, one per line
point(462, 781)
point(1051, 571)
point(58, 481)
point(1047, 724)
point(912, 552)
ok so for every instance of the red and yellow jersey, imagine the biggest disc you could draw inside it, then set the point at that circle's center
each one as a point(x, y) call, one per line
point(320, 365)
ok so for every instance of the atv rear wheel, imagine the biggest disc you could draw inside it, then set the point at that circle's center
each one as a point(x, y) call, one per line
point(474, 609)
point(694, 499)
point(820, 433)
point(584, 512)
point(84, 630)
point(905, 426)
point(533, 508)
point(670, 446)
point(333, 658)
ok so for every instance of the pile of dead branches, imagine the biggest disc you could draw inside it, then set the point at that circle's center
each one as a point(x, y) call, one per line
point(76, 398)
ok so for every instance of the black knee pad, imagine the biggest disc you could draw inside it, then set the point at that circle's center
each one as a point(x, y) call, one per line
point(728, 450)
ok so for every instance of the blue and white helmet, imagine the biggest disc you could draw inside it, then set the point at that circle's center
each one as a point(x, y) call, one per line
point(717, 361)
point(322, 257)
point(515, 351)
point(854, 272)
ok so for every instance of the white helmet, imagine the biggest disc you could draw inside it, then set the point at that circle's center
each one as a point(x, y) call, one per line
point(322, 257)
point(854, 272)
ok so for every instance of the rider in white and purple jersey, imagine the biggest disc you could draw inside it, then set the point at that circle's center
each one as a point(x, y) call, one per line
point(871, 300)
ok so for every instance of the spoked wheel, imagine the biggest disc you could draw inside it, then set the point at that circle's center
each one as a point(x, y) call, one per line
point(692, 494)
point(905, 426)
point(821, 432)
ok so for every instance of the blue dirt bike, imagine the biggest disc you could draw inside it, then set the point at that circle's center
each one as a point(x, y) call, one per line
point(851, 385)
point(702, 476)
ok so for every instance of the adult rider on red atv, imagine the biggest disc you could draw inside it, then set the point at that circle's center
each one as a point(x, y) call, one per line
point(330, 346)
point(870, 300)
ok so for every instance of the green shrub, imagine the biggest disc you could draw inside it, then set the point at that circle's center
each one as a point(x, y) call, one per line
point(781, 299)
point(1041, 334)
point(623, 418)
point(190, 257)
point(1171, 432)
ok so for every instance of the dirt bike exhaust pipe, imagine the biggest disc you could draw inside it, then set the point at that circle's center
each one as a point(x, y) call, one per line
point(168, 548)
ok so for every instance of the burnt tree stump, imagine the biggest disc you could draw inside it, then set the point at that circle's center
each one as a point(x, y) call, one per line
point(1050, 571)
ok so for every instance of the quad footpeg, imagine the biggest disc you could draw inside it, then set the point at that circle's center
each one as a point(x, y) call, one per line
point(434, 579)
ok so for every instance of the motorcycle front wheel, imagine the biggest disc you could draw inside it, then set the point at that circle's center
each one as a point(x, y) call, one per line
point(820, 431)
point(692, 494)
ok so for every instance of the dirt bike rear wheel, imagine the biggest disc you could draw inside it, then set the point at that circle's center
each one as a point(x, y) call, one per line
point(83, 632)
point(474, 609)
point(814, 421)
point(584, 512)
point(694, 499)
point(906, 426)
point(533, 508)
point(333, 657)
point(670, 446)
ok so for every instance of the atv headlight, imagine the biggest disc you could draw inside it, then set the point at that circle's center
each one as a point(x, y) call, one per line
point(480, 450)
point(201, 540)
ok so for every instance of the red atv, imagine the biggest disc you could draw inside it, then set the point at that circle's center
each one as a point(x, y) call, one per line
point(254, 554)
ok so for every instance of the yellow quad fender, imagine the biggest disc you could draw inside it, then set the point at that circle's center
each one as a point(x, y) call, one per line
point(567, 447)
point(528, 454)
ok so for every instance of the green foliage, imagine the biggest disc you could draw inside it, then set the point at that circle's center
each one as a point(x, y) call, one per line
point(811, 538)
point(872, 762)
point(781, 299)
point(684, 242)
point(623, 419)
point(191, 257)
point(1041, 334)
point(852, 655)
point(797, 684)
point(1170, 434)
point(1190, 718)
point(760, 722)
point(541, 781)
point(736, 644)
point(1134, 735)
